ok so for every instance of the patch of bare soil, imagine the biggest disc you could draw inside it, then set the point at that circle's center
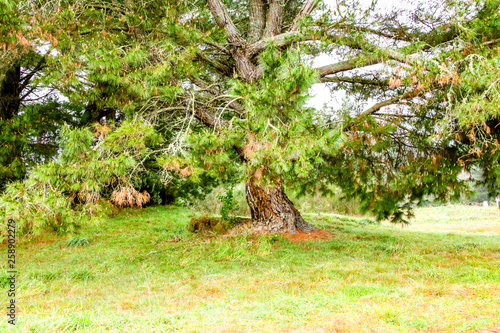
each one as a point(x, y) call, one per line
point(243, 226)
point(305, 236)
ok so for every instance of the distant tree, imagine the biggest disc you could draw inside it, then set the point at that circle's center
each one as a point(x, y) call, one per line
point(30, 113)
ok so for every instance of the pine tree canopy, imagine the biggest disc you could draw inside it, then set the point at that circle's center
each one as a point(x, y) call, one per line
point(227, 86)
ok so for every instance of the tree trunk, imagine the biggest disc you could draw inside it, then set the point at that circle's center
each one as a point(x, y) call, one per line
point(272, 210)
point(10, 90)
point(11, 162)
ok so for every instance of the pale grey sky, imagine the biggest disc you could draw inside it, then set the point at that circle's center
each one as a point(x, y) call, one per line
point(321, 93)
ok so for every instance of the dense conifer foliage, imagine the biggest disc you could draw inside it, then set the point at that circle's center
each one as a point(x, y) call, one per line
point(225, 84)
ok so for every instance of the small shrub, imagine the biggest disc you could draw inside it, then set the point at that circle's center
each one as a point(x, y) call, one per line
point(202, 223)
point(216, 224)
point(78, 241)
point(229, 206)
point(273, 238)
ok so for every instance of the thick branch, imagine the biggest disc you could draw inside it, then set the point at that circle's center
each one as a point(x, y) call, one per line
point(356, 80)
point(274, 18)
point(219, 12)
point(280, 40)
point(292, 36)
point(216, 64)
point(257, 17)
point(219, 47)
point(347, 65)
point(213, 122)
point(209, 119)
point(245, 67)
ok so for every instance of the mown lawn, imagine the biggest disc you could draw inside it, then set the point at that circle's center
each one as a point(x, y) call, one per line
point(143, 272)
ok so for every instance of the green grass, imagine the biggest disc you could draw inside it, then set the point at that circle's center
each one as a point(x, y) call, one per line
point(143, 272)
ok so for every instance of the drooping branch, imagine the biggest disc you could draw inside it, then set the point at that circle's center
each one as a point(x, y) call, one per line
point(390, 101)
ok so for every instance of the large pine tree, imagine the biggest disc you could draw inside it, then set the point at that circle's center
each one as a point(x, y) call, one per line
point(394, 141)
point(228, 81)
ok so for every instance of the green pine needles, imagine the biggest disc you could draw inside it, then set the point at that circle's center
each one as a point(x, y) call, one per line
point(93, 167)
point(280, 137)
point(229, 205)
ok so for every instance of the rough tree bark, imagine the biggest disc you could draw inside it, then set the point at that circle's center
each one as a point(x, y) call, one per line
point(272, 210)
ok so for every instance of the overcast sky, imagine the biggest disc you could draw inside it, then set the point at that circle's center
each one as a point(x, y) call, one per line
point(321, 93)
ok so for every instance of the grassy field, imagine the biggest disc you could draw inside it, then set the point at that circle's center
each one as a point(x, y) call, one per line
point(143, 272)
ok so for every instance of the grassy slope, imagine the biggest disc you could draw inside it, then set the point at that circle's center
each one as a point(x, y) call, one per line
point(369, 278)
